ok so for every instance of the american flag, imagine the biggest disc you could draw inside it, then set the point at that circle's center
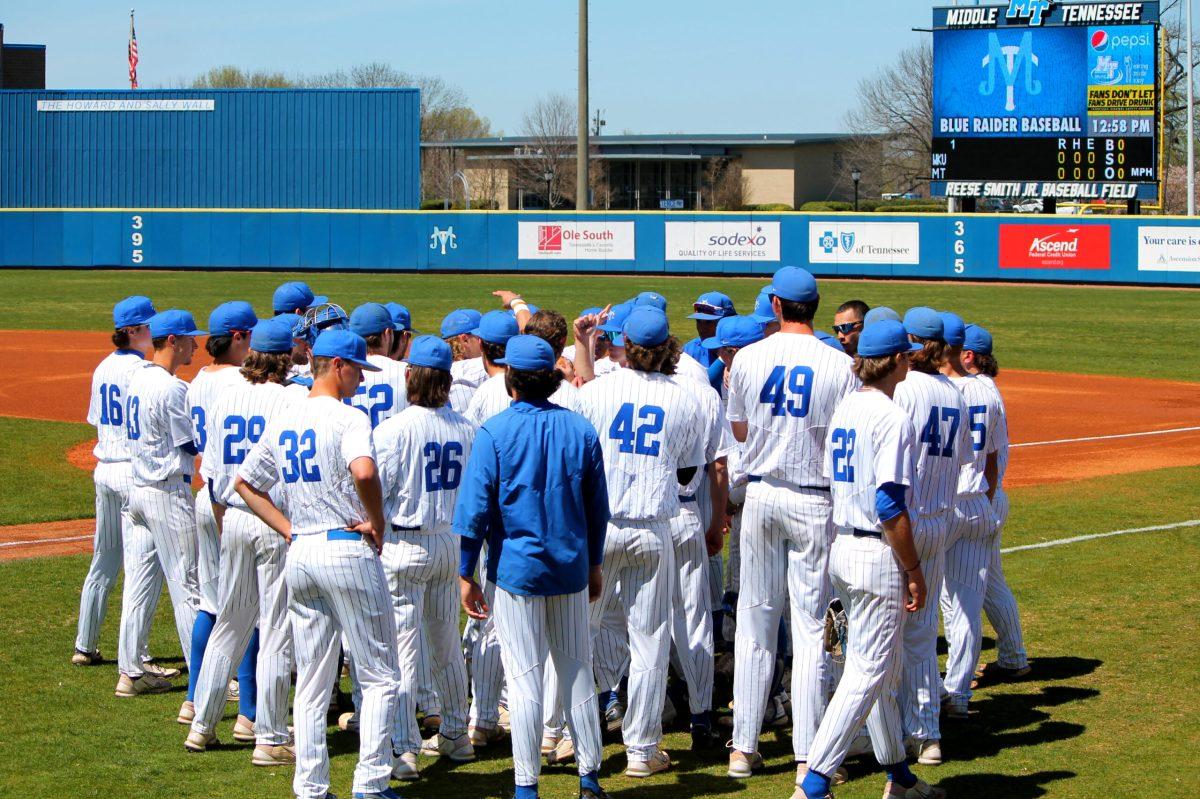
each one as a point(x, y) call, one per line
point(133, 53)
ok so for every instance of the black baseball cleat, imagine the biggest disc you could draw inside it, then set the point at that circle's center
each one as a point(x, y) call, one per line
point(705, 739)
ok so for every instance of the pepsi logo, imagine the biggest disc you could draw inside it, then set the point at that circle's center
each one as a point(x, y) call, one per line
point(1100, 40)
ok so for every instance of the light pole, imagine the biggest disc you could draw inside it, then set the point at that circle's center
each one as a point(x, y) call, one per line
point(548, 176)
point(1191, 118)
point(856, 176)
point(581, 122)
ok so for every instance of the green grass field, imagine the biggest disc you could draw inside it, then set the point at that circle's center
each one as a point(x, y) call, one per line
point(1111, 624)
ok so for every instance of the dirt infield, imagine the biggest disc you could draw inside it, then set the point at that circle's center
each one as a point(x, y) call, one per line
point(1046, 411)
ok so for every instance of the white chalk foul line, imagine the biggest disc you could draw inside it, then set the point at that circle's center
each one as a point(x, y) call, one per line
point(1075, 539)
point(1104, 438)
point(46, 541)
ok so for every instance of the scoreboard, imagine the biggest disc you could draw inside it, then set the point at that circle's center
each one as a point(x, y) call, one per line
point(1046, 99)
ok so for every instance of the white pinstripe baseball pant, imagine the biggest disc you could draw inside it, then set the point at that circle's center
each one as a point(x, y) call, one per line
point(113, 481)
point(534, 631)
point(422, 570)
point(208, 553)
point(998, 601)
point(785, 538)
point(168, 513)
point(639, 562)
point(339, 587)
point(610, 643)
point(691, 601)
point(866, 576)
point(920, 691)
point(968, 551)
point(487, 667)
point(252, 593)
point(139, 596)
point(715, 570)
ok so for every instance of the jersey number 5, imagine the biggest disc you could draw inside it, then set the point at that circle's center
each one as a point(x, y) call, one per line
point(788, 391)
point(299, 449)
point(843, 451)
point(443, 465)
point(637, 439)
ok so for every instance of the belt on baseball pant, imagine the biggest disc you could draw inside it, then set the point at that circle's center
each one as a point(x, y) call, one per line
point(866, 533)
point(398, 529)
point(754, 478)
point(682, 498)
point(169, 483)
point(340, 534)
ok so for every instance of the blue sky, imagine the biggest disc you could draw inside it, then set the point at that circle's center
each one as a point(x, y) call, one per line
point(680, 66)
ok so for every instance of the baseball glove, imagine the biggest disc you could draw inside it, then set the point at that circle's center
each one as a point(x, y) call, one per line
point(835, 630)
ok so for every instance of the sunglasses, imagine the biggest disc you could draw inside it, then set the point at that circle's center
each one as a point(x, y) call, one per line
point(847, 328)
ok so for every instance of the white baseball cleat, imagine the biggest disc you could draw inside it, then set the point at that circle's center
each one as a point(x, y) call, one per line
point(927, 753)
point(187, 712)
point(80, 658)
point(243, 730)
point(564, 752)
point(658, 761)
point(504, 719)
point(165, 672)
point(922, 790)
point(742, 765)
point(457, 749)
point(199, 741)
point(549, 744)
point(233, 691)
point(482, 736)
point(348, 722)
point(146, 684)
point(267, 755)
point(406, 767)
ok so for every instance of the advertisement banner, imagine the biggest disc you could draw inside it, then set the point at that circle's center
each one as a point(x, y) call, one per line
point(722, 241)
point(1168, 249)
point(1055, 247)
point(864, 242)
point(587, 241)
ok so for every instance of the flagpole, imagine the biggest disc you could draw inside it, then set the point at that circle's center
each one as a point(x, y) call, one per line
point(1191, 120)
point(130, 53)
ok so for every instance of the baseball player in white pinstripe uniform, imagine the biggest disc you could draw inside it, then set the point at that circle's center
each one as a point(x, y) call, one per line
point(252, 591)
point(652, 443)
point(938, 413)
point(321, 450)
point(457, 329)
point(999, 604)
point(870, 458)
point(160, 503)
point(544, 558)
point(782, 392)
point(382, 394)
point(972, 528)
point(114, 477)
point(422, 453)
point(228, 343)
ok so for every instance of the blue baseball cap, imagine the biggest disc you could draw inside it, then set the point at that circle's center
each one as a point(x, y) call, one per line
point(646, 326)
point(432, 352)
point(954, 328)
point(977, 339)
point(879, 314)
point(886, 337)
point(272, 336)
point(794, 284)
point(293, 321)
point(528, 354)
point(459, 321)
point(291, 296)
point(712, 306)
point(497, 327)
point(132, 311)
point(735, 331)
point(370, 319)
point(651, 298)
point(230, 316)
point(924, 323)
point(173, 322)
point(344, 344)
point(617, 317)
point(763, 312)
point(401, 318)
point(827, 339)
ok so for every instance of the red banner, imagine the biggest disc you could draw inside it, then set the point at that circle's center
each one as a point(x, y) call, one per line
point(1055, 247)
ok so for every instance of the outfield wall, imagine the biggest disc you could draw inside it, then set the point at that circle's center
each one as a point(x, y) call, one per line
point(1150, 250)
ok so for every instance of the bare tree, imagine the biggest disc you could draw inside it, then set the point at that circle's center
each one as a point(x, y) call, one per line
point(231, 77)
point(550, 123)
point(892, 127)
point(724, 185)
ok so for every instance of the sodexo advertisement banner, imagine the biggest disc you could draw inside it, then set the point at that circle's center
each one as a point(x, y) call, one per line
point(722, 241)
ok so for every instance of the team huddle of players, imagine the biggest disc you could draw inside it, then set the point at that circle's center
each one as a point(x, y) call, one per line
point(362, 482)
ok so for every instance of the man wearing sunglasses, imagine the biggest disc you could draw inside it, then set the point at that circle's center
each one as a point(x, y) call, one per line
point(848, 324)
point(709, 308)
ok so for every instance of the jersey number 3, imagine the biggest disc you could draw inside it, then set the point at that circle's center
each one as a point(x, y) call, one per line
point(636, 439)
point(299, 449)
point(788, 391)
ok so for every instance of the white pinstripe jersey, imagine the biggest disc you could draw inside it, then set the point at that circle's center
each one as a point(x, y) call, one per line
point(206, 386)
point(238, 420)
point(648, 430)
point(469, 371)
point(382, 394)
point(984, 420)
point(785, 388)
point(309, 446)
point(106, 410)
point(939, 414)
point(715, 436)
point(157, 424)
point(1002, 440)
point(422, 454)
point(492, 397)
point(604, 366)
point(870, 443)
point(691, 368)
point(460, 396)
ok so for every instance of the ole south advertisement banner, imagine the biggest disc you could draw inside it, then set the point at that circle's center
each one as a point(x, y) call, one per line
point(588, 241)
point(722, 241)
point(1055, 247)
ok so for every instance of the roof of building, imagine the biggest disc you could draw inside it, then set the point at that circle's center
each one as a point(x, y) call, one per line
point(660, 140)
